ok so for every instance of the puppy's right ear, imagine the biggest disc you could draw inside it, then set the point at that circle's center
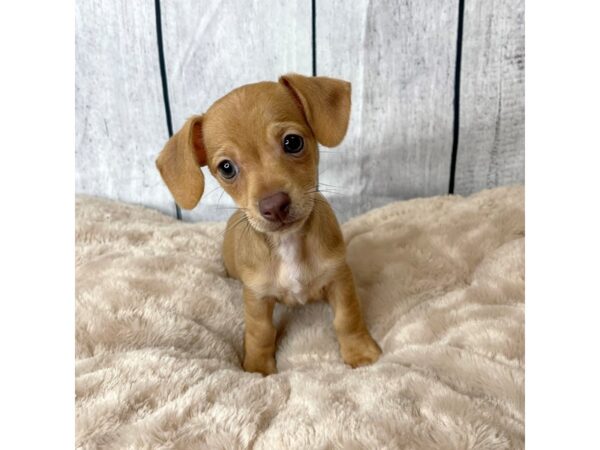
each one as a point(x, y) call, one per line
point(179, 163)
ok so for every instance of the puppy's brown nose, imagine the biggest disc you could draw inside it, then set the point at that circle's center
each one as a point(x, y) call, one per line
point(275, 207)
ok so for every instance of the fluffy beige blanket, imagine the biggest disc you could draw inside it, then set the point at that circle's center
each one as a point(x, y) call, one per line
point(159, 335)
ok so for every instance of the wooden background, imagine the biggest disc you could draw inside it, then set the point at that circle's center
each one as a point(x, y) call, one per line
point(401, 57)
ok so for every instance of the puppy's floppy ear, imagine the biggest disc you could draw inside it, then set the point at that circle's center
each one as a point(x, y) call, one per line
point(179, 163)
point(326, 105)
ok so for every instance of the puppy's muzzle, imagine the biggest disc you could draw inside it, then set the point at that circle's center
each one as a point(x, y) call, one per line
point(276, 207)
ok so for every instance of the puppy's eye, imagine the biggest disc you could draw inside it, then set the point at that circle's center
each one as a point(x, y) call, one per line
point(292, 143)
point(227, 169)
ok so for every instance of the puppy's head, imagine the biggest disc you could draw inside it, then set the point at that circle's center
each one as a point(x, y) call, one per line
point(260, 142)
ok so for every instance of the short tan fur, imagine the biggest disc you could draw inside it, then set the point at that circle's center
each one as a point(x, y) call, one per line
point(284, 243)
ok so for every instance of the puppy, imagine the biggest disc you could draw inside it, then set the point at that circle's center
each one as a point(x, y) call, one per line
point(284, 243)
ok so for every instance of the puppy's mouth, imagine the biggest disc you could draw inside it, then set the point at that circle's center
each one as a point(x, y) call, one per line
point(290, 223)
point(278, 226)
point(287, 224)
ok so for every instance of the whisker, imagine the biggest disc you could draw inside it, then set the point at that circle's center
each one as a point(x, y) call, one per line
point(220, 197)
point(242, 219)
point(326, 190)
point(246, 229)
point(325, 202)
point(212, 190)
point(330, 185)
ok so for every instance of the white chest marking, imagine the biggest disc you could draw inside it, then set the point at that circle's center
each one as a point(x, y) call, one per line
point(291, 270)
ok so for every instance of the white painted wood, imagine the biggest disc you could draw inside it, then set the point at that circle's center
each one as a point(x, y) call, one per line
point(119, 114)
point(214, 46)
point(400, 58)
point(492, 104)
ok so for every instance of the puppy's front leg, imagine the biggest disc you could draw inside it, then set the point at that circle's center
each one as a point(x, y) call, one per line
point(356, 344)
point(260, 334)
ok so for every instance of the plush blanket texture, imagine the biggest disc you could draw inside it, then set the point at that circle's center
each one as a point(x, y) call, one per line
point(159, 335)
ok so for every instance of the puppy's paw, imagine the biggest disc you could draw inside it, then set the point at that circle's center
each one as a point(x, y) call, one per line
point(261, 364)
point(359, 350)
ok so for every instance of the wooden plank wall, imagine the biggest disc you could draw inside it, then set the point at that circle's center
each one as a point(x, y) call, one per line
point(119, 110)
point(491, 148)
point(399, 56)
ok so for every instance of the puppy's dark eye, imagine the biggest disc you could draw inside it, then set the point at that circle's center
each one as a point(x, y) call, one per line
point(227, 169)
point(292, 143)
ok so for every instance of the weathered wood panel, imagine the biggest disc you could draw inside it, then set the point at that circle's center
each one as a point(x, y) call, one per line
point(119, 113)
point(212, 47)
point(491, 148)
point(400, 58)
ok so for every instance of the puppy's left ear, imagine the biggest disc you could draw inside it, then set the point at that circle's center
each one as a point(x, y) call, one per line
point(326, 105)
